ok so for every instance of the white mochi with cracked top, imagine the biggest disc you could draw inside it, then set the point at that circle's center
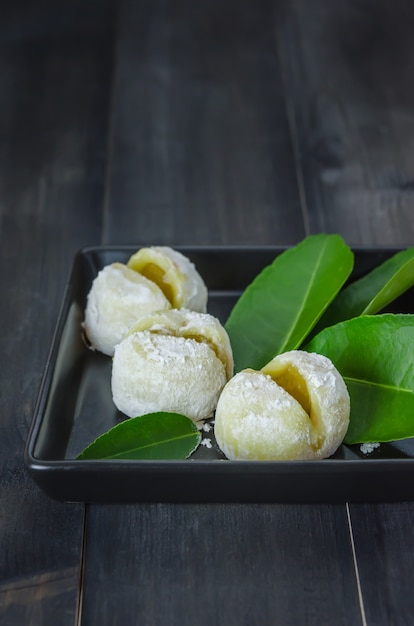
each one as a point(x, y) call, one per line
point(296, 408)
point(203, 327)
point(118, 298)
point(175, 274)
point(152, 372)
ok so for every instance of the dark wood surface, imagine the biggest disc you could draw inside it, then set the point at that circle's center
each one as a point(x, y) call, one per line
point(199, 123)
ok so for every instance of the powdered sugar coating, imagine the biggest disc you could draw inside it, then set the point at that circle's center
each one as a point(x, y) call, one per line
point(327, 393)
point(305, 418)
point(203, 327)
point(152, 372)
point(118, 298)
point(180, 274)
point(257, 420)
point(195, 290)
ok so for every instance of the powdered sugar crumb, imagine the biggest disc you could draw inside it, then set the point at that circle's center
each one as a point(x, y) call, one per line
point(367, 448)
point(206, 442)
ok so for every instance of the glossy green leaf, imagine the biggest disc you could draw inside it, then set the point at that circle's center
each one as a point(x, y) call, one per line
point(279, 308)
point(151, 436)
point(375, 355)
point(373, 292)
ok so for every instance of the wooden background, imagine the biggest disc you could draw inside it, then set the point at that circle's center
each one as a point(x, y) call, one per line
point(210, 122)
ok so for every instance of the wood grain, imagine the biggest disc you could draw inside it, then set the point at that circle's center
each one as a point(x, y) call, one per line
point(384, 544)
point(201, 151)
point(54, 85)
point(219, 564)
point(347, 68)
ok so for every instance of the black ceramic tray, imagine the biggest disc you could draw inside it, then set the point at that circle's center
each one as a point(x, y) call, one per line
point(75, 406)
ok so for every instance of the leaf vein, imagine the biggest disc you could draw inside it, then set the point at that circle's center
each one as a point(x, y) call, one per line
point(376, 384)
point(152, 444)
point(305, 298)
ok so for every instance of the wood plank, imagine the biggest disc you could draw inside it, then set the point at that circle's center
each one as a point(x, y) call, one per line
point(219, 564)
point(55, 73)
point(348, 70)
point(201, 151)
point(384, 544)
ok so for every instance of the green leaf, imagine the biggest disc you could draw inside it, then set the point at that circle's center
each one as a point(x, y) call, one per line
point(373, 292)
point(279, 308)
point(151, 436)
point(375, 355)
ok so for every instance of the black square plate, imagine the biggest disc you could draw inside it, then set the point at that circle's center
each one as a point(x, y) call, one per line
point(75, 406)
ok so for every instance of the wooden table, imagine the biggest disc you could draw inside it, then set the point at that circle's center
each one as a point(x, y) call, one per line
point(173, 123)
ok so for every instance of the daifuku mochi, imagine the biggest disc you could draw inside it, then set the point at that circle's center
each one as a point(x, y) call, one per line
point(177, 361)
point(118, 298)
point(297, 407)
point(175, 274)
